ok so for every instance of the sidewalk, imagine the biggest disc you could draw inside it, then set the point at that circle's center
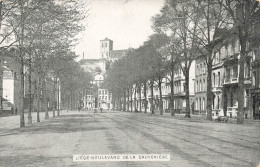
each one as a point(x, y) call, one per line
point(198, 118)
point(12, 123)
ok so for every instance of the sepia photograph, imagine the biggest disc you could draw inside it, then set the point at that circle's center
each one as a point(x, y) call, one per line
point(130, 83)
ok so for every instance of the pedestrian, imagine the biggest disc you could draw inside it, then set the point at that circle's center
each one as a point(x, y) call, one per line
point(101, 110)
point(16, 110)
point(12, 110)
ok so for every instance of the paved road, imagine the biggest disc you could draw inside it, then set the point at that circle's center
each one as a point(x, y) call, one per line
point(189, 142)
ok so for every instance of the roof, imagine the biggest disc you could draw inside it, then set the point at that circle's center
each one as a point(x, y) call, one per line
point(118, 53)
point(87, 61)
point(106, 39)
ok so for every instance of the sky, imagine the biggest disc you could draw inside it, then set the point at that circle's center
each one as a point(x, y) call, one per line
point(126, 22)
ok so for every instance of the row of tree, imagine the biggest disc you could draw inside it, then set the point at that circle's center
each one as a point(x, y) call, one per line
point(43, 33)
point(183, 31)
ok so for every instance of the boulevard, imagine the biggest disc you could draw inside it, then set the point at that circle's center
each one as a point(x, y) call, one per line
point(190, 142)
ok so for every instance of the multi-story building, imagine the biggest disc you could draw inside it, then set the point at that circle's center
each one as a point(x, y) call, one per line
point(231, 79)
point(225, 78)
point(98, 96)
point(255, 89)
point(180, 88)
point(200, 86)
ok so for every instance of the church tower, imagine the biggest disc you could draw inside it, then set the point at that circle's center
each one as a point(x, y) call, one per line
point(106, 45)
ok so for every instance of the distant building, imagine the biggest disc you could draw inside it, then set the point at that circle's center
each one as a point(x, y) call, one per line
point(180, 88)
point(98, 96)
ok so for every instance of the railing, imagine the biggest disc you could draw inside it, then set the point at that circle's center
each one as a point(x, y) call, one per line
point(217, 89)
point(247, 80)
point(231, 80)
point(231, 111)
point(199, 112)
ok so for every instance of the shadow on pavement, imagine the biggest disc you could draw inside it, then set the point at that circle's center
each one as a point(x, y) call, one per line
point(62, 124)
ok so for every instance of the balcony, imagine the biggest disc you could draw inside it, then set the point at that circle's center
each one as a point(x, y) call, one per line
point(232, 111)
point(217, 89)
point(247, 80)
point(180, 77)
point(230, 80)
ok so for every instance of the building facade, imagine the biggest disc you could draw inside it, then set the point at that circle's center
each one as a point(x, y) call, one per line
point(200, 85)
point(97, 96)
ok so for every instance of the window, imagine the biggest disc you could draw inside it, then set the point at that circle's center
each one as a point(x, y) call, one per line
point(213, 103)
point(214, 79)
point(218, 103)
point(201, 69)
point(219, 79)
point(254, 80)
point(204, 84)
point(204, 64)
point(200, 104)
point(200, 85)
point(203, 104)
point(197, 86)
point(235, 72)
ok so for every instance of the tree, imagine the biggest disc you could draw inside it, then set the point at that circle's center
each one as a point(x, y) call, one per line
point(245, 16)
point(211, 35)
point(175, 21)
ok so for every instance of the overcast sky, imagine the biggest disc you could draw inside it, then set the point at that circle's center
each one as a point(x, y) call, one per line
point(126, 22)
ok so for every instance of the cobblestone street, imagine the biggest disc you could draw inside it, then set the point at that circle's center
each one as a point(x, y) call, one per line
point(190, 142)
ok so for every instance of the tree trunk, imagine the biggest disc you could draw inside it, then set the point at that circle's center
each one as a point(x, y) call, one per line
point(22, 123)
point(58, 97)
point(128, 94)
point(135, 103)
point(124, 107)
point(54, 97)
point(131, 98)
point(145, 98)
point(140, 97)
point(120, 102)
point(38, 99)
point(187, 93)
point(209, 85)
point(172, 92)
point(243, 54)
point(152, 105)
point(30, 91)
point(45, 107)
point(160, 94)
